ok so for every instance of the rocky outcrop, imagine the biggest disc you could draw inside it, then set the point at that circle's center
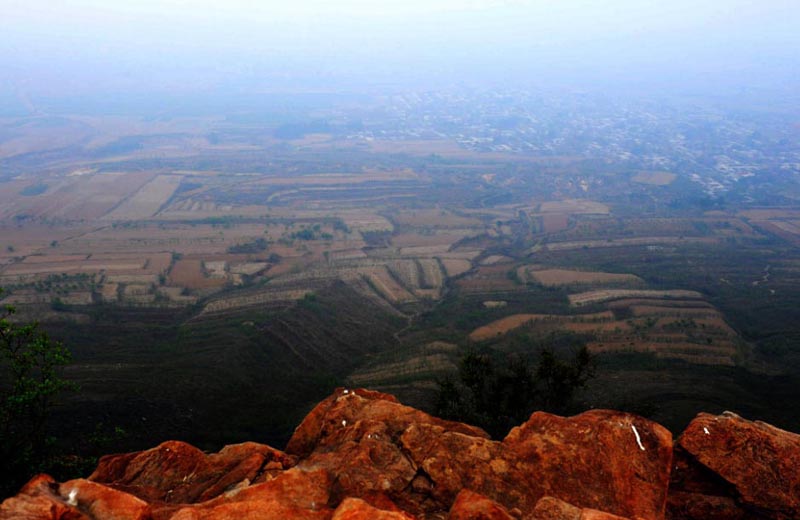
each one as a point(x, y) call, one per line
point(732, 468)
point(362, 454)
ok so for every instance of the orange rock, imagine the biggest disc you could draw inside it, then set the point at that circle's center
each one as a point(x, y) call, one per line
point(43, 499)
point(357, 509)
point(370, 443)
point(100, 501)
point(696, 506)
point(361, 454)
point(472, 506)
point(601, 459)
point(326, 417)
point(292, 494)
point(549, 508)
point(177, 472)
point(39, 500)
point(760, 461)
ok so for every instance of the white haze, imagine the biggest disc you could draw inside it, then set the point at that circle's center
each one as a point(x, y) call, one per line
point(82, 47)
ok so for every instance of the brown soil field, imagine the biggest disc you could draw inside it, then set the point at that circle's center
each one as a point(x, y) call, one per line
point(189, 273)
point(496, 259)
point(148, 200)
point(248, 268)
point(683, 312)
point(347, 254)
point(268, 296)
point(555, 222)
point(436, 219)
point(192, 209)
point(431, 270)
point(690, 352)
point(770, 213)
point(334, 179)
point(132, 278)
point(599, 296)
point(626, 242)
point(608, 326)
point(787, 226)
point(504, 325)
point(489, 279)
point(426, 147)
point(771, 227)
point(655, 178)
point(574, 207)
point(83, 197)
point(52, 259)
point(424, 251)
point(365, 221)
point(159, 263)
point(108, 291)
point(437, 239)
point(667, 304)
point(415, 366)
point(558, 277)
point(455, 266)
point(406, 272)
point(388, 287)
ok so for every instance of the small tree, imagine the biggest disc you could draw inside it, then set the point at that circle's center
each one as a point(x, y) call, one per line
point(500, 395)
point(29, 382)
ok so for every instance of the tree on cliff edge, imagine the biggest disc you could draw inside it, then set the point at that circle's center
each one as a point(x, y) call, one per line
point(500, 395)
point(30, 379)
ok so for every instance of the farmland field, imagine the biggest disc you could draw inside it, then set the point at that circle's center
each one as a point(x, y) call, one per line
point(238, 265)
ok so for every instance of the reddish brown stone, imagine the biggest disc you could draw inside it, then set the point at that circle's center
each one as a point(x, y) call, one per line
point(292, 494)
point(601, 459)
point(760, 461)
point(347, 405)
point(364, 455)
point(44, 499)
point(39, 500)
point(549, 508)
point(177, 472)
point(357, 509)
point(103, 502)
point(373, 444)
point(696, 506)
point(473, 506)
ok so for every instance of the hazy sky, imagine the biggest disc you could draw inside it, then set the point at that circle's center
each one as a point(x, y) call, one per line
point(80, 45)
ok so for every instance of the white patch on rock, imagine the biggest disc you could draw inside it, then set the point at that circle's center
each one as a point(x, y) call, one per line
point(705, 430)
point(344, 423)
point(638, 439)
point(73, 498)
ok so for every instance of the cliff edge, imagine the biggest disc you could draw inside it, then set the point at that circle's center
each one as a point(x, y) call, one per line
point(361, 454)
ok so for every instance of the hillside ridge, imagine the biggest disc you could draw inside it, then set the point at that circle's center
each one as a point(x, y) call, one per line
point(362, 454)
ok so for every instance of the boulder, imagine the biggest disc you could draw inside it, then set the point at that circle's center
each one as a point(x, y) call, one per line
point(760, 462)
point(357, 509)
point(292, 494)
point(176, 472)
point(44, 499)
point(601, 459)
point(361, 454)
point(369, 442)
point(549, 508)
point(473, 506)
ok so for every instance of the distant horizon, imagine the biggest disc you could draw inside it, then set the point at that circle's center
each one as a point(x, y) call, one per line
point(86, 47)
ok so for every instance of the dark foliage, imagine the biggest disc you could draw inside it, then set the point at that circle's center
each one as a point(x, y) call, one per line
point(498, 395)
point(29, 383)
